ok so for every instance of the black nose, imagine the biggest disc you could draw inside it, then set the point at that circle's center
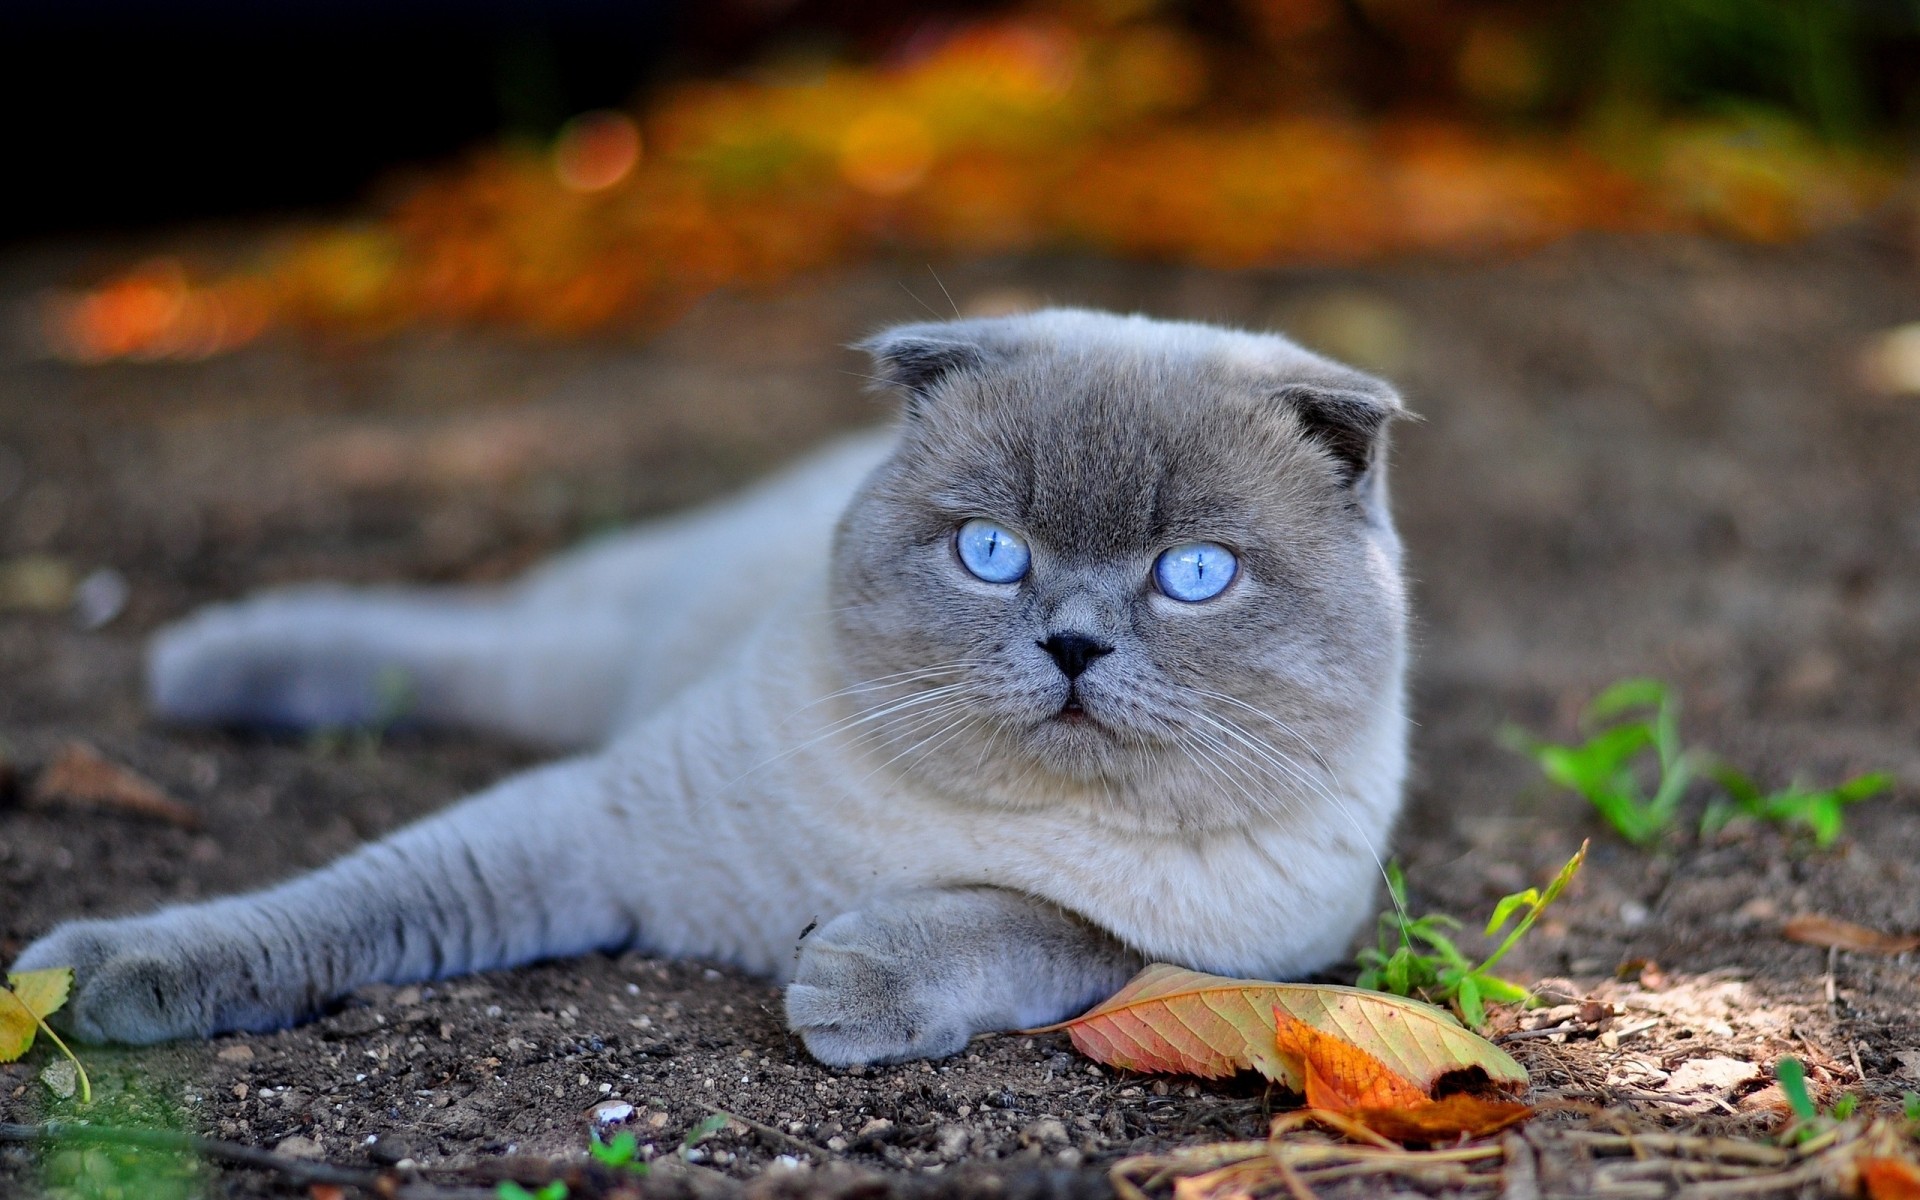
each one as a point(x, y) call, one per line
point(1073, 651)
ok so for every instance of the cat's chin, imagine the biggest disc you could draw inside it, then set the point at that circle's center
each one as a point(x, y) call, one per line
point(1075, 743)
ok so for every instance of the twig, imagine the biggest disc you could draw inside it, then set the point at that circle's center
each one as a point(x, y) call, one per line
point(778, 1135)
point(1520, 1174)
point(1569, 1028)
point(1674, 1143)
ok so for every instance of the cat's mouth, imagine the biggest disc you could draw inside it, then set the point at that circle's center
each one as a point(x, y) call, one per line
point(1073, 713)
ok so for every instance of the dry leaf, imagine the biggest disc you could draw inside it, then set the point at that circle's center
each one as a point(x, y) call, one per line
point(1460, 1115)
point(1833, 933)
point(80, 774)
point(1342, 1080)
point(1339, 1075)
point(1171, 1020)
point(1890, 1179)
point(27, 999)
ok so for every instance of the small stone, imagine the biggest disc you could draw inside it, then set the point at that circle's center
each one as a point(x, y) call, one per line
point(612, 1112)
point(657, 1120)
point(390, 1151)
point(239, 1091)
point(101, 597)
point(874, 1128)
point(61, 1077)
point(298, 1147)
point(836, 1143)
point(787, 1162)
point(239, 1052)
point(1909, 1062)
point(1713, 1074)
point(1633, 914)
point(950, 1142)
point(1047, 1132)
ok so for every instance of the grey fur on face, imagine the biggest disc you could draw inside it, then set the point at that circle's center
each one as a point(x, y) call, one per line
point(1106, 441)
point(1000, 797)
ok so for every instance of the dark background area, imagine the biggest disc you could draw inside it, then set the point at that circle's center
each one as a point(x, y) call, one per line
point(136, 114)
point(140, 115)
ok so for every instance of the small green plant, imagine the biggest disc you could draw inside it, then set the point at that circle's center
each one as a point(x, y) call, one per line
point(1910, 1107)
point(1441, 973)
point(554, 1190)
point(1809, 1121)
point(1820, 813)
point(1634, 771)
point(621, 1154)
point(1632, 767)
point(705, 1128)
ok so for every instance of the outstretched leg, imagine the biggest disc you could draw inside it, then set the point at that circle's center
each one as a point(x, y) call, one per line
point(499, 880)
point(325, 656)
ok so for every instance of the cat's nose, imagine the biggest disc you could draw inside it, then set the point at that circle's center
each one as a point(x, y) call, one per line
point(1073, 651)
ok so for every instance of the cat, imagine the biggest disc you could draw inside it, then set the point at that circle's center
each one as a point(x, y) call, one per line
point(1096, 658)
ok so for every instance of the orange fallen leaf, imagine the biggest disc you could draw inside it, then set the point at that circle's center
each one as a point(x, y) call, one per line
point(1832, 933)
point(1890, 1179)
point(1168, 1019)
point(1343, 1081)
point(79, 774)
point(1460, 1115)
point(1340, 1076)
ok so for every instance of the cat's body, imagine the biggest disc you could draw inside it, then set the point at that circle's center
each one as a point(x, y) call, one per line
point(996, 797)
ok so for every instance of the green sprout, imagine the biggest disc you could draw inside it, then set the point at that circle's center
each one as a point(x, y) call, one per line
point(1634, 736)
point(1441, 973)
point(1810, 1121)
point(702, 1130)
point(509, 1190)
point(621, 1154)
point(1820, 812)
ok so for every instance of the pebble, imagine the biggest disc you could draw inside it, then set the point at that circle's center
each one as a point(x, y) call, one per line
point(101, 597)
point(239, 1052)
point(950, 1142)
point(61, 1077)
point(298, 1147)
point(612, 1112)
point(1048, 1132)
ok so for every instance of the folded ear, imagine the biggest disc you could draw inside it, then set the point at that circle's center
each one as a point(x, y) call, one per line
point(1348, 418)
point(913, 359)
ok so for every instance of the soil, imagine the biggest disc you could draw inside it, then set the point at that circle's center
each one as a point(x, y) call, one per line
point(1637, 458)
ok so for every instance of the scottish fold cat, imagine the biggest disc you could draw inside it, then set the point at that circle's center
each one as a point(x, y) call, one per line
point(1096, 658)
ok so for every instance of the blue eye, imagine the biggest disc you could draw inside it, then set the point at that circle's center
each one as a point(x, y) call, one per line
point(990, 551)
point(1196, 571)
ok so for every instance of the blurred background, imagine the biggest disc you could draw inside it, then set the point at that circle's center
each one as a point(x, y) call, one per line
point(587, 165)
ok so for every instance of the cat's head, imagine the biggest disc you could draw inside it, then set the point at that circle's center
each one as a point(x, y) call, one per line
point(1137, 565)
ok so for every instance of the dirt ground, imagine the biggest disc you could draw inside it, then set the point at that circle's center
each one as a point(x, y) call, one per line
point(1647, 457)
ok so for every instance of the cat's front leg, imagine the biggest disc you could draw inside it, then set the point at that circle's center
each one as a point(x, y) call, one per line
point(918, 975)
point(509, 876)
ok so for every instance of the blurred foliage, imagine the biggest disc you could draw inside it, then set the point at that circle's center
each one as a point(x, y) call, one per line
point(1229, 134)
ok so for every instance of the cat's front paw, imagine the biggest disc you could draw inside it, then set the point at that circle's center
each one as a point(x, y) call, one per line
point(129, 985)
point(867, 991)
